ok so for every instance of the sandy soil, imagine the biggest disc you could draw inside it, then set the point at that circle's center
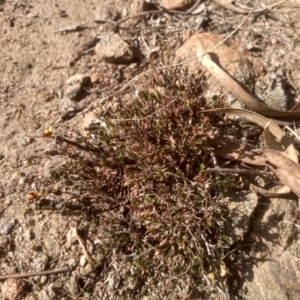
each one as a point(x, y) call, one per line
point(35, 62)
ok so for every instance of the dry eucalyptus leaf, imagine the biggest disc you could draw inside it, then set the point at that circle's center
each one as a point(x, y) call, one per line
point(283, 141)
point(236, 151)
point(239, 93)
point(286, 170)
point(270, 140)
point(244, 153)
point(283, 191)
point(274, 137)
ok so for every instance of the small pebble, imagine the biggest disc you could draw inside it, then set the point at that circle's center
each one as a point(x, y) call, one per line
point(8, 201)
point(73, 286)
point(22, 180)
point(29, 234)
point(82, 261)
point(43, 279)
point(114, 282)
point(57, 286)
point(39, 263)
point(75, 84)
point(23, 141)
point(6, 228)
point(73, 91)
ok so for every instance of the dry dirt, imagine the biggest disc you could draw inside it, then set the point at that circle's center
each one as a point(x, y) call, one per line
point(35, 65)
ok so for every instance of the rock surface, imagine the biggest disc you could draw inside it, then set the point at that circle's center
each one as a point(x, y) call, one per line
point(232, 56)
point(114, 50)
point(274, 279)
point(75, 85)
point(277, 277)
point(13, 289)
point(241, 206)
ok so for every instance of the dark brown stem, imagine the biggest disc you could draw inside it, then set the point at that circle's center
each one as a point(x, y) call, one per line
point(26, 275)
point(235, 171)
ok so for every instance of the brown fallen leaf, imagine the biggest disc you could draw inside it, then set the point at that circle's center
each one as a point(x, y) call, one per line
point(283, 141)
point(283, 191)
point(270, 140)
point(244, 153)
point(287, 171)
point(236, 151)
point(239, 93)
point(274, 137)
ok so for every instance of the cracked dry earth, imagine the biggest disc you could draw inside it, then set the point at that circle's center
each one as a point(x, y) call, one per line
point(34, 67)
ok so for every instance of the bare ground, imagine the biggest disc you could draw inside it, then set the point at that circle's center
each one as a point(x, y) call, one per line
point(35, 64)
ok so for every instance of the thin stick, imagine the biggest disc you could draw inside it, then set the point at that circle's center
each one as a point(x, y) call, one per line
point(293, 132)
point(216, 46)
point(86, 254)
point(233, 32)
point(27, 275)
point(61, 139)
point(229, 5)
point(71, 28)
point(234, 171)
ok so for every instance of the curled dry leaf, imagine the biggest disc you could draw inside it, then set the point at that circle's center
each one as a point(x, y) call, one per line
point(236, 151)
point(283, 142)
point(286, 170)
point(274, 137)
point(234, 87)
point(244, 153)
point(270, 139)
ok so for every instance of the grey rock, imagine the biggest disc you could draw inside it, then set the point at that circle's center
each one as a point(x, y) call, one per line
point(241, 206)
point(39, 262)
point(274, 279)
point(114, 281)
point(6, 228)
point(74, 290)
point(75, 85)
point(73, 91)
